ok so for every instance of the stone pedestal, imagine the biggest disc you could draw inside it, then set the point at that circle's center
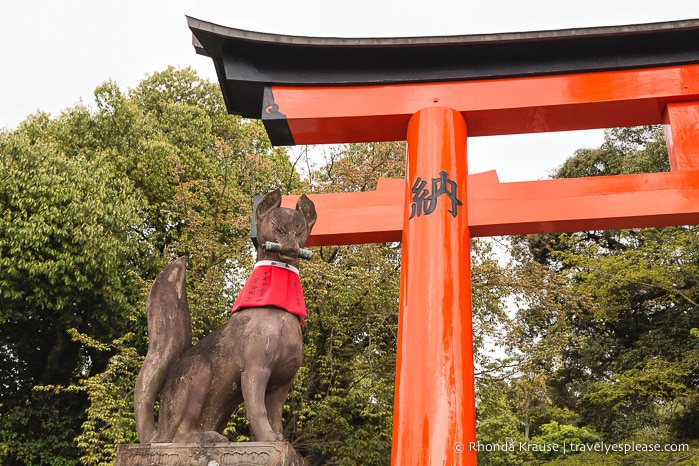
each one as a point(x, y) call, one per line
point(208, 454)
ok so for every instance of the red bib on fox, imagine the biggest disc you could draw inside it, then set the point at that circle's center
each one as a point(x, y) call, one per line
point(273, 283)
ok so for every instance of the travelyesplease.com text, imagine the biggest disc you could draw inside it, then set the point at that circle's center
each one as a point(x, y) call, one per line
point(572, 447)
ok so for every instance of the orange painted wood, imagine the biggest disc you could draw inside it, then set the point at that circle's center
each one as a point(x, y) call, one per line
point(681, 122)
point(357, 217)
point(318, 115)
point(548, 206)
point(599, 203)
point(434, 407)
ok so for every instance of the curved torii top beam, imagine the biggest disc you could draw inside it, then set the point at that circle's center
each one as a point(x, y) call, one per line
point(258, 71)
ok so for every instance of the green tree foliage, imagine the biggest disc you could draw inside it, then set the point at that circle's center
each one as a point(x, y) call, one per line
point(639, 149)
point(499, 425)
point(342, 403)
point(65, 247)
point(609, 332)
point(636, 348)
point(556, 438)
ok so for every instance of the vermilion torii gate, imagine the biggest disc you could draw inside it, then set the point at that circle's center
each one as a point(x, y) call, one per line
point(434, 92)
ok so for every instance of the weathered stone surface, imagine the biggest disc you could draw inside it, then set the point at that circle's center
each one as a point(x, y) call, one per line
point(211, 454)
point(253, 358)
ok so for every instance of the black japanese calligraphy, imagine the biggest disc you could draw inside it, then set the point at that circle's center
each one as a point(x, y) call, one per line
point(424, 200)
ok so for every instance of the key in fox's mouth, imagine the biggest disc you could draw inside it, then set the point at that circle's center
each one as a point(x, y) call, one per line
point(276, 247)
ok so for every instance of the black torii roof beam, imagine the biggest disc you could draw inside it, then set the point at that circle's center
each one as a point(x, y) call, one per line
point(249, 63)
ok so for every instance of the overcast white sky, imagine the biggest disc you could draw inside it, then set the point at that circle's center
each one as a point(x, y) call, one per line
point(53, 54)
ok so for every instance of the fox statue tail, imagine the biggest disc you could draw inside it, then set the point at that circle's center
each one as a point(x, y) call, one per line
point(169, 335)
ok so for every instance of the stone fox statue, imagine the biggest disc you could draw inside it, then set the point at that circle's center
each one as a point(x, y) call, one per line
point(253, 358)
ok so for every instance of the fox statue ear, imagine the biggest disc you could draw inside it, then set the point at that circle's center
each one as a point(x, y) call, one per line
point(270, 201)
point(308, 209)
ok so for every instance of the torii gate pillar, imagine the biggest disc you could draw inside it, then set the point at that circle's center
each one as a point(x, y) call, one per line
point(434, 411)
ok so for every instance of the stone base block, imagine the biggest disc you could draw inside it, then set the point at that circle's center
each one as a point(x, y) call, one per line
point(208, 454)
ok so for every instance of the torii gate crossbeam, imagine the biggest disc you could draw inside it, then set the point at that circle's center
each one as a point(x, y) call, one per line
point(433, 92)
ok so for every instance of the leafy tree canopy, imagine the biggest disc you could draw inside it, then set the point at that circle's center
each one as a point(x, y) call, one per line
point(604, 322)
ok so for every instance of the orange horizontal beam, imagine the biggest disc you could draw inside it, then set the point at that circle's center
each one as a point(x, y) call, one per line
point(341, 114)
point(357, 217)
point(495, 209)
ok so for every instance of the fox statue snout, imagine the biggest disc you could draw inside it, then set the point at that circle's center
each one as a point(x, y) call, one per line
point(252, 359)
